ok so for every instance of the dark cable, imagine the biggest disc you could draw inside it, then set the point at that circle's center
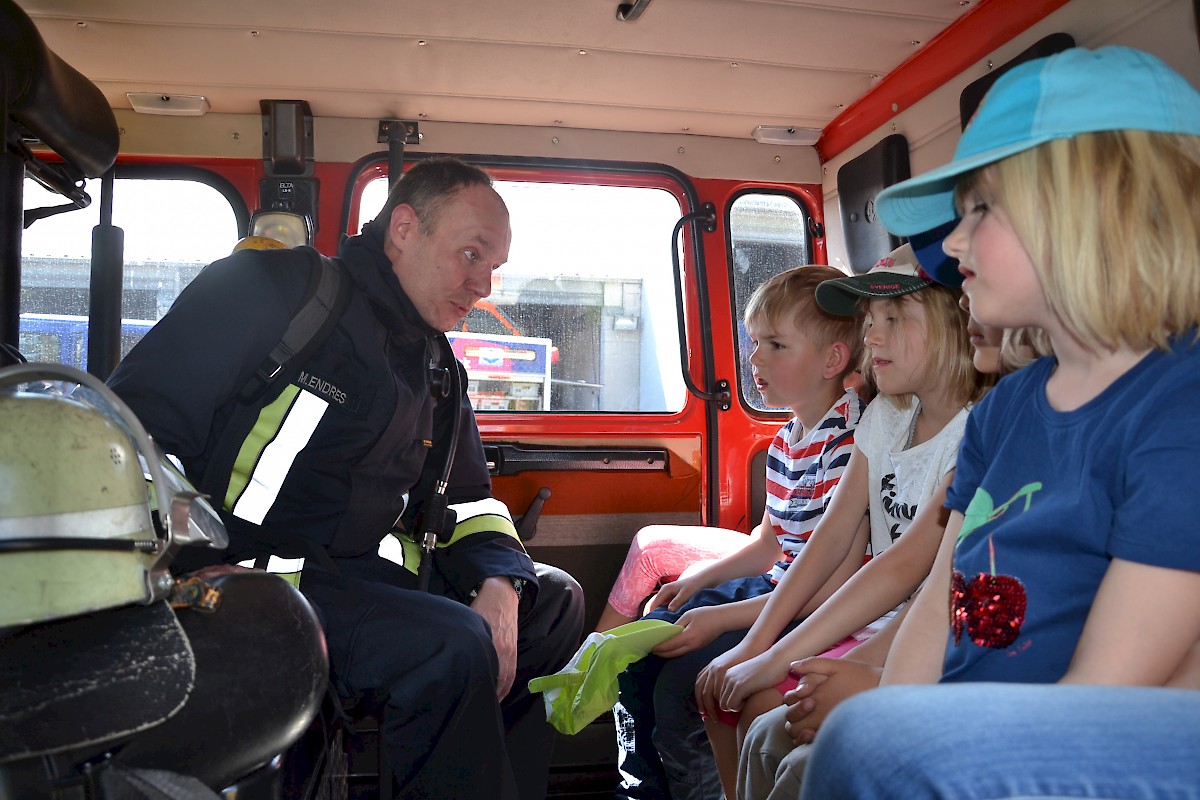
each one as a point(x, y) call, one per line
point(434, 512)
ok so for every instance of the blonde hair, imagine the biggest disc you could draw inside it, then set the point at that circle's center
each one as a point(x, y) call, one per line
point(949, 355)
point(1111, 221)
point(790, 298)
point(1020, 347)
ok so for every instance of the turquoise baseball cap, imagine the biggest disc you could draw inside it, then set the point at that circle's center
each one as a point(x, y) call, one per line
point(1057, 97)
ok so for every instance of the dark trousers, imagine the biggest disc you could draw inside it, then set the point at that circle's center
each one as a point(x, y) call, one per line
point(430, 663)
point(663, 749)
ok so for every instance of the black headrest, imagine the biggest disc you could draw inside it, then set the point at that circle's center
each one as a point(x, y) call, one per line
point(51, 100)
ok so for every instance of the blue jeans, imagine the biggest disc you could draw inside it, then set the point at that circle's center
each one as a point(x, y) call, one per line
point(662, 748)
point(988, 741)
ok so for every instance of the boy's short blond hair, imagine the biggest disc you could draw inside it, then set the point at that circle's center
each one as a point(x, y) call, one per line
point(1111, 222)
point(789, 298)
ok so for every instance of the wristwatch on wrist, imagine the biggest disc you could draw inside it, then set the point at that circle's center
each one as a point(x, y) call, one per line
point(518, 585)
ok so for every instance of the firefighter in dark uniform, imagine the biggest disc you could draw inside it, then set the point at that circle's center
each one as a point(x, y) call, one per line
point(330, 483)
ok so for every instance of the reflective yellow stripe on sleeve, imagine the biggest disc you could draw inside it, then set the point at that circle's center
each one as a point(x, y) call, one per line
point(483, 515)
point(474, 517)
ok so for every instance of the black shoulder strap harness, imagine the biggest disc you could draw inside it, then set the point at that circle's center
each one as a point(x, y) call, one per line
point(325, 299)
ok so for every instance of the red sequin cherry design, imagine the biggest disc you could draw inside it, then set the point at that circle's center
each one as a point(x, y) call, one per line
point(990, 608)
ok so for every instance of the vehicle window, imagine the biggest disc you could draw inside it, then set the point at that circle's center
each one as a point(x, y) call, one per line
point(172, 229)
point(768, 233)
point(582, 317)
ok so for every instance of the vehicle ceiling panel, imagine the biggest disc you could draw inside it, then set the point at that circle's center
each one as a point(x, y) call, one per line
point(504, 61)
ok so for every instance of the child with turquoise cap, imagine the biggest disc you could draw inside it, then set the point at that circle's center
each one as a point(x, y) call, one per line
point(1071, 555)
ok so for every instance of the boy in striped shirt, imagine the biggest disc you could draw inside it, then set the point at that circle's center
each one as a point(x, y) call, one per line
point(802, 359)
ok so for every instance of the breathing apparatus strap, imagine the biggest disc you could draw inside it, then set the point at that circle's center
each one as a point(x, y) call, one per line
point(326, 298)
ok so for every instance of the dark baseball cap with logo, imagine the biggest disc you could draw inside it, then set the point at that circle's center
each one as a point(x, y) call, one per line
point(895, 275)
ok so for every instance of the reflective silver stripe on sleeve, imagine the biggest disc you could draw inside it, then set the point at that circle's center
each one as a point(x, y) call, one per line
point(277, 459)
point(391, 549)
point(475, 508)
point(277, 565)
point(287, 568)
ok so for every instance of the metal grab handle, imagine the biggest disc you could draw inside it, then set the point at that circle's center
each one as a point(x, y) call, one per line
point(720, 393)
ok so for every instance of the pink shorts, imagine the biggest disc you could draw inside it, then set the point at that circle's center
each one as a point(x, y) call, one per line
point(731, 718)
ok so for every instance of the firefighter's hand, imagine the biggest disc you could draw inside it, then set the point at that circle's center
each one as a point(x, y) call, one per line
point(497, 603)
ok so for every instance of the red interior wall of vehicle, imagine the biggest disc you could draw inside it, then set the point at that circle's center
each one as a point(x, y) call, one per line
point(674, 491)
point(972, 36)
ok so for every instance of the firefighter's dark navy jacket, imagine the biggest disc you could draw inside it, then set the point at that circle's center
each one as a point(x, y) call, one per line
point(346, 485)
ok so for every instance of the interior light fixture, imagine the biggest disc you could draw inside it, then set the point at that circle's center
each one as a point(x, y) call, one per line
point(169, 105)
point(288, 227)
point(786, 134)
